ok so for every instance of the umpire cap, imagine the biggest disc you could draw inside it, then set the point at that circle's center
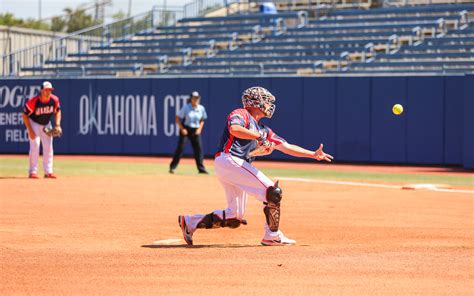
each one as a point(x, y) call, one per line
point(195, 94)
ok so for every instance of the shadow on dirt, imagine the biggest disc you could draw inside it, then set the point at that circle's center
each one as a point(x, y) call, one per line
point(218, 246)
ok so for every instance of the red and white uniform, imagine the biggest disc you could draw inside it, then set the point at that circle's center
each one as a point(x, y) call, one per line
point(40, 114)
point(235, 172)
point(239, 147)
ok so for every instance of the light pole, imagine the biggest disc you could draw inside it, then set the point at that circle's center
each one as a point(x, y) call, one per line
point(129, 8)
point(39, 10)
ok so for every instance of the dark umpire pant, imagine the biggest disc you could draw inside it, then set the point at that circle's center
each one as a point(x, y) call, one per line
point(197, 148)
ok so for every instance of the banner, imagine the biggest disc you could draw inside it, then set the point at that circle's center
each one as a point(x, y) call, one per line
point(350, 115)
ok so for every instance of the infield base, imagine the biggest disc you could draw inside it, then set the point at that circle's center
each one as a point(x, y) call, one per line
point(426, 186)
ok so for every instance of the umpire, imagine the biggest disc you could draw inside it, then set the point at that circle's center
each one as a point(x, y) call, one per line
point(190, 120)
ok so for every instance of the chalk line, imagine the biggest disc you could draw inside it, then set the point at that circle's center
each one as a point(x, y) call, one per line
point(364, 184)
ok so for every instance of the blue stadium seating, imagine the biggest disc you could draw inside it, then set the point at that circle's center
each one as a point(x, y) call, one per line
point(424, 39)
point(404, 10)
point(241, 18)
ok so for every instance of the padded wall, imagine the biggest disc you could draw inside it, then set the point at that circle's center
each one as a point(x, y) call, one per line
point(350, 115)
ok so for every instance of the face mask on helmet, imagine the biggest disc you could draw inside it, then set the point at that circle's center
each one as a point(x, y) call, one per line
point(261, 98)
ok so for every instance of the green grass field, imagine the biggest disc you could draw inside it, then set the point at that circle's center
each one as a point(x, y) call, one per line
point(17, 167)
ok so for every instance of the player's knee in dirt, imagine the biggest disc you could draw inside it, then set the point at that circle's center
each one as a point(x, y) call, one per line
point(272, 206)
point(212, 220)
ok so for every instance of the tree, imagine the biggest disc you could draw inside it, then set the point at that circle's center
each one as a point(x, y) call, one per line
point(8, 19)
point(74, 20)
point(35, 24)
point(78, 19)
point(119, 15)
point(58, 24)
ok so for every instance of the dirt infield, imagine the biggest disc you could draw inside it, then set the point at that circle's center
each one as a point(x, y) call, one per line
point(97, 235)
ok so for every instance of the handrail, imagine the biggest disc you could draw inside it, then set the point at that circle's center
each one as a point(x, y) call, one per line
point(90, 29)
point(201, 7)
point(402, 3)
point(11, 64)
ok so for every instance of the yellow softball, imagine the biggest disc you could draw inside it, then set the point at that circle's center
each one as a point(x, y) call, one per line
point(397, 109)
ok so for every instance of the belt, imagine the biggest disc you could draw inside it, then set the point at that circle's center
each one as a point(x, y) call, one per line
point(220, 153)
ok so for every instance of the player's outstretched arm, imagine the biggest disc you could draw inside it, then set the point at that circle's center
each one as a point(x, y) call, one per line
point(243, 133)
point(297, 151)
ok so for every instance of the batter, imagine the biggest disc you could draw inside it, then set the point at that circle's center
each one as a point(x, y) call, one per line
point(243, 133)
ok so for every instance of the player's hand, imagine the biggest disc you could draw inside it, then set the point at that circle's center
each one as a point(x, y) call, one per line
point(184, 132)
point(31, 135)
point(198, 132)
point(59, 129)
point(262, 140)
point(320, 155)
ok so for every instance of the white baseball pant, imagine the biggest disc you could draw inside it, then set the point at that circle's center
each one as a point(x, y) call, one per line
point(238, 178)
point(47, 143)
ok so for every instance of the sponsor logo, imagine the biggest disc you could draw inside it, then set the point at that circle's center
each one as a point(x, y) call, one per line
point(131, 115)
point(170, 127)
point(11, 101)
point(128, 114)
point(16, 96)
point(99, 114)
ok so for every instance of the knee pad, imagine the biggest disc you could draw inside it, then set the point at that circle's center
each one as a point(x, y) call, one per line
point(274, 194)
point(272, 207)
point(212, 220)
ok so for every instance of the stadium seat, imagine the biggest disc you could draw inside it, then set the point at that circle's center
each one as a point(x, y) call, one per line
point(424, 39)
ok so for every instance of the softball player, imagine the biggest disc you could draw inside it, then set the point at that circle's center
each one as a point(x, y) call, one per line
point(37, 114)
point(242, 135)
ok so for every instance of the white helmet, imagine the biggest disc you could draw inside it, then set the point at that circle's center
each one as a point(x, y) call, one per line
point(257, 97)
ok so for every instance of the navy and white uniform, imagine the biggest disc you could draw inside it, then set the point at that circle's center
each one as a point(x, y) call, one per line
point(234, 169)
point(239, 147)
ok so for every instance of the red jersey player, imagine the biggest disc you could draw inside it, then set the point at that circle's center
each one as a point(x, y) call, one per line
point(37, 114)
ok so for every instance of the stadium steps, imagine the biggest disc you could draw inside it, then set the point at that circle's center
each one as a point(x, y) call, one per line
point(391, 11)
point(332, 44)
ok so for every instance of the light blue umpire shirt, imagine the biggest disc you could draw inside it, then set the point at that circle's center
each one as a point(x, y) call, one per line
point(192, 117)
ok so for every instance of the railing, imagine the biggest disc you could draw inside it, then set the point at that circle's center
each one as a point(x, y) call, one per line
point(201, 7)
point(15, 38)
point(399, 3)
point(317, 4)
point(82, 41)
point(311, 2)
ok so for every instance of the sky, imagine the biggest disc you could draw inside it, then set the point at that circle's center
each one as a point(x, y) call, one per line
point(30, 8)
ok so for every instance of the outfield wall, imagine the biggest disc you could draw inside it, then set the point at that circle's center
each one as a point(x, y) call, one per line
point(350, 115)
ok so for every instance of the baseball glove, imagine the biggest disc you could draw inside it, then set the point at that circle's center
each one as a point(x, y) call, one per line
point(53, 132)
point(264, 147)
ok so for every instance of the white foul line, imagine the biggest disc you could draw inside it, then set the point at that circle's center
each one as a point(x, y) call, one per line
point(454, 190)
point(363, 184)
point(339, 182)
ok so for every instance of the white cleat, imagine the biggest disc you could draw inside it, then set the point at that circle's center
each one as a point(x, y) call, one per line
point(188, 236)
point(279, 240)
